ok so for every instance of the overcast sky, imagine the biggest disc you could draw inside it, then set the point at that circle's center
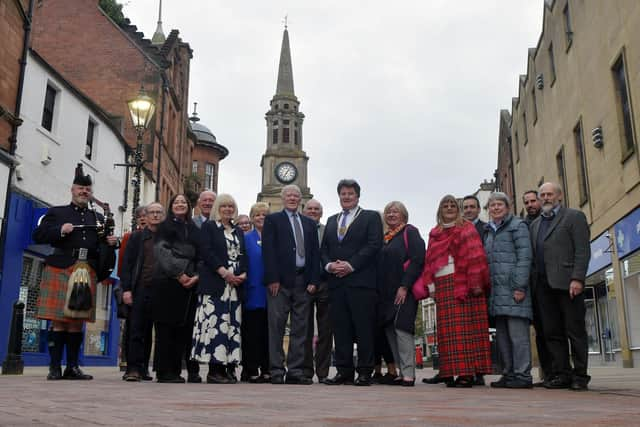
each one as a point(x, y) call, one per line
point(403, 98)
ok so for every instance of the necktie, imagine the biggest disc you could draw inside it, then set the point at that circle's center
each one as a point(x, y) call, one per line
point(343, 225)
point(298, 233)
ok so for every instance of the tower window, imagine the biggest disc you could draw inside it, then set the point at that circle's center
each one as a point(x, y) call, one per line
point(286, 106)
point(285, 135)
point(274, 135)
point(285, 122)
point(296, 141)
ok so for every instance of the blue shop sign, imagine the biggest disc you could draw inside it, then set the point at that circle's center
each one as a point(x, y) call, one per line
point(628, 233)
point(600, 253)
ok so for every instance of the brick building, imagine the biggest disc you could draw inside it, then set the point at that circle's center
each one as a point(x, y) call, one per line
point(206, 156)
point(109, 62)
point(575, 122)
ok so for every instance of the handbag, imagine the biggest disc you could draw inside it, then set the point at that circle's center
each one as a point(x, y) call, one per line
point(419, 289)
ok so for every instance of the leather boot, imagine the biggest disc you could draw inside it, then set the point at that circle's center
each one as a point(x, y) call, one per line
point(56, 347)
point(73, 371)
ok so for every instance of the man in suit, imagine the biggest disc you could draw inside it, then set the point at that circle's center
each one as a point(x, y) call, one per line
point(319, 302)
point(471, 212)
point(560, 240)
point(291, 256)
point(350, 247)
point(533, 207)
point(206, 199)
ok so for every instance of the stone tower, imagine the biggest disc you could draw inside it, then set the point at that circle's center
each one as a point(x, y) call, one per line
point(284, 162)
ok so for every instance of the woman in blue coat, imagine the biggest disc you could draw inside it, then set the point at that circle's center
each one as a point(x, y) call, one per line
point(508, 248)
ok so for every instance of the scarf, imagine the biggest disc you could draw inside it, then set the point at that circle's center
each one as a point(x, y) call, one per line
point(391, 233)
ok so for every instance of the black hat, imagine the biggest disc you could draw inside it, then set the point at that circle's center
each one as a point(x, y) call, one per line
point(81, 178)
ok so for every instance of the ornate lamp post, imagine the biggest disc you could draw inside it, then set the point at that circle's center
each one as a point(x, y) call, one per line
point(141, 108)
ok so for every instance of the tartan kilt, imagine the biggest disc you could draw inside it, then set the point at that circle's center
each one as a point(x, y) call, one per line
point(53, 293)
point(463, 332)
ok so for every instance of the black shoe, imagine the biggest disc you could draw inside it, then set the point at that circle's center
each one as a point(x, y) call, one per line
point(501, 383)
point(376, 378)
point(396, 381)
point(519, 384)
point(218, 378)
point(322, 380)
point(478, 379)
point(194, 378)
point(231, 374)
point(132, 376)
point(436, 379)
point(171, 380)
point(339, 379)
point(461, 382)
point(557, 383)
point(363, 380)
point(55, 373)
point(298, 380)
point(75, 373)
point(578, 386)
point(406, 383)
point(388, 379)
point(277, 379)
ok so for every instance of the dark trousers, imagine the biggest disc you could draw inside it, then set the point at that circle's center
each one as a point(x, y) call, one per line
point(541, 346)
point(563, 325)
point(319, 302)
point(193, 367)
point(353, 316)
point(382, 349)
point(141, 330)
point(255, 342)
point(294, 302)
point(170, 349)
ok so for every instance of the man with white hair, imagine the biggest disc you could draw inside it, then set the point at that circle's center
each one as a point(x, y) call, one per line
point(561, 253)
point(205, 203)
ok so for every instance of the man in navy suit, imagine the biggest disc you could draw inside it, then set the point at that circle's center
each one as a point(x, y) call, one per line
point(291, 256)
point(350, 247)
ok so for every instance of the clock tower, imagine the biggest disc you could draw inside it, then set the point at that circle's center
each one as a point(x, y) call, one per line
point(284, 162)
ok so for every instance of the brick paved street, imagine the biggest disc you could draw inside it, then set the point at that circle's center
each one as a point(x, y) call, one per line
point(30, 400)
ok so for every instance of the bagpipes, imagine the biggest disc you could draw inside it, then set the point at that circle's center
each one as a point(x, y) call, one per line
point(79, 297)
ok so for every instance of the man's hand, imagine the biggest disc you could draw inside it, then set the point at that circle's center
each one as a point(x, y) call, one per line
point(342, 268)
point(127, 297)
point(191, 282)
point(311, 289)
point(183, 279)
point(274, 288)
point(66, 228)
point(518, 296)
point(575, 288)
point(401, 295)
point(112, 240)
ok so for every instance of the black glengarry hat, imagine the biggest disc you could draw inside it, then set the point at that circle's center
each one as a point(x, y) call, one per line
point(80, 178)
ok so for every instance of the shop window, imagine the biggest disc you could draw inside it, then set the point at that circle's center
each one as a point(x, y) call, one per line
point(631, 281)
point(96, 334)
point(34, 336)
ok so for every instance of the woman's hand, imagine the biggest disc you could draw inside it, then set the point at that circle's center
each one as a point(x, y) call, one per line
point(191, 282)
point(401, 295)
point(518, 296)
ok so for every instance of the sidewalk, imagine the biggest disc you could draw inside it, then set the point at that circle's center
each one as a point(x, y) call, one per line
point(30, 400)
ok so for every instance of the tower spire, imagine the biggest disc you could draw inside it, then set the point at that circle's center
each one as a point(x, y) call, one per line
point(159, 37)
point(285, 71)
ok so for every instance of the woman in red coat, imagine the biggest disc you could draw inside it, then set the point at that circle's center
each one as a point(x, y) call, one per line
point(456, 269)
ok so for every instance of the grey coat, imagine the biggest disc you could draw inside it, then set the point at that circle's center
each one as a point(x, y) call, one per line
point(509, 255)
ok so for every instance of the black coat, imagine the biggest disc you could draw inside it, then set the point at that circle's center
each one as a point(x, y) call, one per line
point(359, 247)
point(132, 260)
point(175, 252)
point(279, 250)
point(392, 275)
point(213, 255)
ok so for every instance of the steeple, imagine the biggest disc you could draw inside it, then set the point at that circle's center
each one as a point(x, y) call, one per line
point(285, 71)
point(159, 37)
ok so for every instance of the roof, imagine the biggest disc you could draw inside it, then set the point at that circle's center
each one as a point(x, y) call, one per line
point(208, 139)
point(285, 70)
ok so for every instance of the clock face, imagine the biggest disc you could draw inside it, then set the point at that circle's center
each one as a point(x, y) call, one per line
point(286, 172)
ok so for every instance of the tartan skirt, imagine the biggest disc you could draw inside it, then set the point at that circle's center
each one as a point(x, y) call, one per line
point(463, 332)
point(53, 293)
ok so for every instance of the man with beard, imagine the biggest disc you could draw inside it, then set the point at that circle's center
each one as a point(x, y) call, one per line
point(560, 240)
point(532, 205)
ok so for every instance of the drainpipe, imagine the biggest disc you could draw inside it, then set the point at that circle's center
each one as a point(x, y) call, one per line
point(161, 136)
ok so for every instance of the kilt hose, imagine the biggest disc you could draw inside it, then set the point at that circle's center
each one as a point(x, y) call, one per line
point(53, 293)
point(463, 332)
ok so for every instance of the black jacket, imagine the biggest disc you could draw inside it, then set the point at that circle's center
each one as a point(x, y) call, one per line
point(392, 275)
point(133, 259)
point(214, 254)
point(279, 250)
point(359, 247)
point(175, 252)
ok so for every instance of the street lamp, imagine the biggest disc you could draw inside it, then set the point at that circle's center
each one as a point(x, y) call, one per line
point(141, 108)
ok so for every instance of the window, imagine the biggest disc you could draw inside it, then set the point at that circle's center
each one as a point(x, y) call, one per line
point(209, 174)
point(296, 141)
point(624, 106)
point(91, 130)
point(49, 105)
point(562, 176)
point(194, 167)
point(525, 133)
point(552, 64)
point(567, 24)
point(534, 105)
point(285, 135)
point(286, 106)
point(581, 162)
point(517, 141)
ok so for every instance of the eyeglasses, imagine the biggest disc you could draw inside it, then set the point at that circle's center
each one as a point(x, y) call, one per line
point(155, 213)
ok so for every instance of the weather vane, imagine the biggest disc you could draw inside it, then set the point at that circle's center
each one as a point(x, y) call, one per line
point(285, 20)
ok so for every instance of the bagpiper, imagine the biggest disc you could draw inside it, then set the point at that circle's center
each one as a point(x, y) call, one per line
point(68, 286)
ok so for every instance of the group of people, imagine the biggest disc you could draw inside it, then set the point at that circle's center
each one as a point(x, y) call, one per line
point(222, 289)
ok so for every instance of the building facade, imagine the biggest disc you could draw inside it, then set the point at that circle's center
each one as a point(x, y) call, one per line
point(110, 65)
point(575, 122)
point(284, 161)
point(61, 127)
